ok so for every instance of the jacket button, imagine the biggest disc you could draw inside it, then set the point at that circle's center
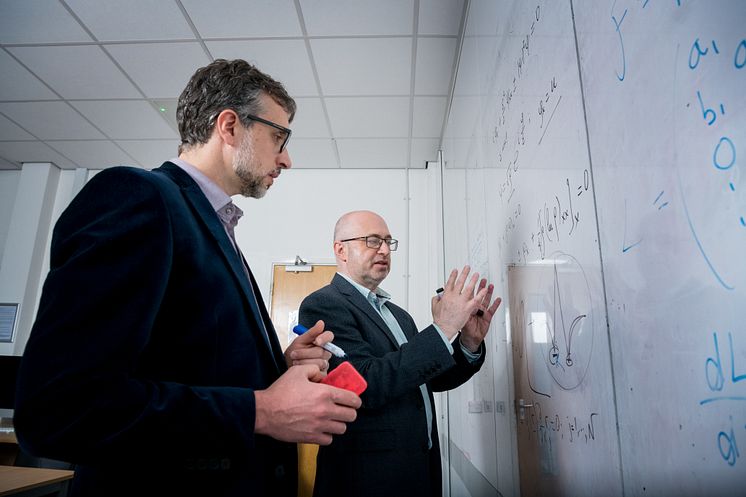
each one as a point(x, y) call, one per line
point(280, 471)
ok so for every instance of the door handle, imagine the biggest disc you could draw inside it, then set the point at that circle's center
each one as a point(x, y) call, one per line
point(522, 406)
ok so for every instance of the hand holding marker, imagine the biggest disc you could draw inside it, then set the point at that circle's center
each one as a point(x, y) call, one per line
point(440, 290)
point(328, 346)
point(343, 376)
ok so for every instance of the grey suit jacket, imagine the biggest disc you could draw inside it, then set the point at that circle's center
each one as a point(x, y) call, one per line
point(385, 451)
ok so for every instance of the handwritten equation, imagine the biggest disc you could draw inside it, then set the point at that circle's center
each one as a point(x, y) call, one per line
point(558, 217)
point(569, 428)
point(723, 148)
point(724, 388)
point(710, 61)
point(617, 18)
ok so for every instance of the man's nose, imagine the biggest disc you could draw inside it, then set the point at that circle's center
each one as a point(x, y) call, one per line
point(283, 160)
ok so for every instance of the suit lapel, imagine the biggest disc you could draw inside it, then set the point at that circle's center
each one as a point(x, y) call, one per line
point(357, 299)
point(209, 218)
point(274, 344)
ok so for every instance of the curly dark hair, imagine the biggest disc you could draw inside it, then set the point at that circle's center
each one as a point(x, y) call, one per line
point(225, 84)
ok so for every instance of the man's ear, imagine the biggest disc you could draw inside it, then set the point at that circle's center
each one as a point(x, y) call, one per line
point(340, 251)
point(226, 126)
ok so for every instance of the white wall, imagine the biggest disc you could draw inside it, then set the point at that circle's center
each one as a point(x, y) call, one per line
point(298, 214)
point(26, 240)
point(8, 186)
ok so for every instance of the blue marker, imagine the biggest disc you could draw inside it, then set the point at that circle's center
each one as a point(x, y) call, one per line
point(328, 346)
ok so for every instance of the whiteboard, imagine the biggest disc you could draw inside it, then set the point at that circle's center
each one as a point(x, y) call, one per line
point(593, 157)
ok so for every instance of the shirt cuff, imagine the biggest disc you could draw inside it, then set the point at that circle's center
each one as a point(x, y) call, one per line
point(445, 339)
point(470, 356)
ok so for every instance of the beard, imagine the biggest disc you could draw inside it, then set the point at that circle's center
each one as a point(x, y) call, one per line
point(245, 167)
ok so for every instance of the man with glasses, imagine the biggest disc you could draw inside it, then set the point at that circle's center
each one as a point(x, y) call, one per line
point(152, 364)
point(392, 448)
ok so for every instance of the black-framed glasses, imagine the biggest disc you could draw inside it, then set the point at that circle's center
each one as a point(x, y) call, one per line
point(375, 241)
point(285, 130)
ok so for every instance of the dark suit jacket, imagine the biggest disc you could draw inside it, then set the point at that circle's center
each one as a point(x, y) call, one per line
point(384, 452)
point(147, 348)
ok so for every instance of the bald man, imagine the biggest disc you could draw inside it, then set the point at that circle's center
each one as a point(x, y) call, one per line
point(392, 448)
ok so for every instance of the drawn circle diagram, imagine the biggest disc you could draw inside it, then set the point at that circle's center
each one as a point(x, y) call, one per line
point(568, 326)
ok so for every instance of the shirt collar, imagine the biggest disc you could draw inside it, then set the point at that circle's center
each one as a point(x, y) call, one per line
point(229, 214)
point(215, 195)
point(382, 295)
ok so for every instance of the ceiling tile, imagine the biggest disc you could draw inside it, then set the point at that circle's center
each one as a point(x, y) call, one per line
point(285, 60)
point(357, 17)
point(240, 18)
point(38, 21)
point(313, 154)
point(424, 150)
point(126, 119)
point(356, 66)
point(33, 152)
point(375, 153)
point(161, 70)
point(428, 116)
point(114, 20)
point(440, 17)
point(18, 83)
point(361, 86)
point(167, 109)
point(8, 165)
point(150, 153)
point(82, 71)
point(11, 132)
point(92, 154)
point(50, 120)
point(435, 59)
point(368, 117)
point(309, 119)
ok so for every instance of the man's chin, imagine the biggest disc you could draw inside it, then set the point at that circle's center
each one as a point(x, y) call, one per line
point(382, 273)
point(255, 191)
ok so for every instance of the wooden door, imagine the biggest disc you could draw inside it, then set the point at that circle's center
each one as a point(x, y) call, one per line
point(289, 288)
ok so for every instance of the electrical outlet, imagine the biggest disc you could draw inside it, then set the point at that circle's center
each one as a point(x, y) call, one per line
point(500, 407)
point(487, 406)
point(475, 406)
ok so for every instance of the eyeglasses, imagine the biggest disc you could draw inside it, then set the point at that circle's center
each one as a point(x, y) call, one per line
point(285, 130)
point(374, 241)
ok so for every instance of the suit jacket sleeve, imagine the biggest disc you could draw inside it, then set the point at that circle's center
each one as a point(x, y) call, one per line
point(391, 371)
point(82, 393)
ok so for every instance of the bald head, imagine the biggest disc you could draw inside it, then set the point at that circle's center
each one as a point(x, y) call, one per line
point(349, 224)
point(365, 265)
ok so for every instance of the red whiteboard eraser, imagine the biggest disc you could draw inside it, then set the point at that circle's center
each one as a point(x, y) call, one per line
point(346, 376)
